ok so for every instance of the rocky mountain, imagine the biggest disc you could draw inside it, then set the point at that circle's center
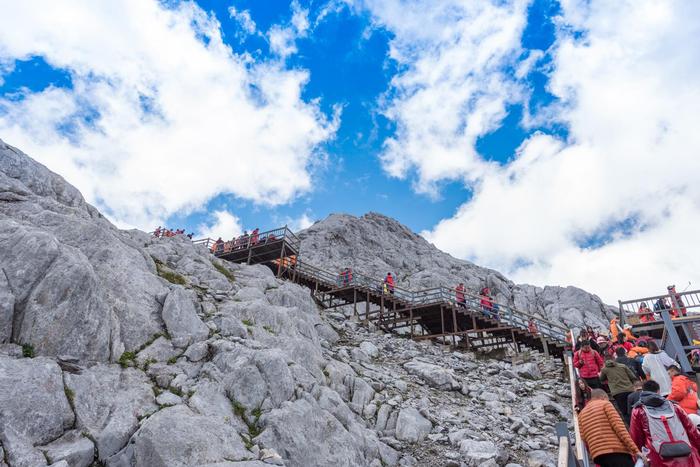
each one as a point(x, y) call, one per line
point(375, 244)
point(119, 349)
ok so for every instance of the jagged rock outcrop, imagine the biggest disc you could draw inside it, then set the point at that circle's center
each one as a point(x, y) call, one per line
point(374, 245)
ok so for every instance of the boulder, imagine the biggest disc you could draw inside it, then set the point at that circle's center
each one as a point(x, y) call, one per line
point(369, 349)
point(436, 376)
point(528, 370)
point(181, 320)
point(108, 403)
point(477, 452)
point(411, 426)
point(177, 437)
point(72, 447)
point(18, 449)
point(160, 350)
point(540, 459)
point(34, 386)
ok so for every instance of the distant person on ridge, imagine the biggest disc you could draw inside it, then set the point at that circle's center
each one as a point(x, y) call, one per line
point(461, 301)
point(589, 363)
point(389, 282)
point(655, 364)
point(621, 383)
point(605, 435)
point(665, 430)
point(683, 390)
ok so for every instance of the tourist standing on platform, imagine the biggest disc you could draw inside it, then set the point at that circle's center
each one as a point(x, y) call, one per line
point(680, 311)
point(459, 295)
point(655, 364)
point(645, 314)
point(664, 429)
point(605, 435)
point(683, 390)
point(621, 383)
point(589, 363)
point(389, 283)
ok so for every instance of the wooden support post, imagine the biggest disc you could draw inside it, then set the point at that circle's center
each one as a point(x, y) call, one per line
point(354, 302)
point(367, 307)
point(545, 346)
point(410, 311)
point(442, 319)
point(515, 343)
point(381, 308)
point(279, 266)
point(454, 327)
point(250, 254)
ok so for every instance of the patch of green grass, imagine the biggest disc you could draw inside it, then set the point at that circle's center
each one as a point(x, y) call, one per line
point(269, 329)
point(148, 363)
point(326, 374)
point(70, 395)
point(254, 428)
point(248, 322)
point(175, 391)
point(222, 269)
point(127, 359)
point(167, 274)
point(28, 351)
point(238, 409)
point(172, 360)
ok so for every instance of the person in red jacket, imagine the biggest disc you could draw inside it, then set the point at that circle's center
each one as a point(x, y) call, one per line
point(459, 295)
point(389, 281)
point(486, 301)
point(651, 403)
point(589, 363)
point(683, 390)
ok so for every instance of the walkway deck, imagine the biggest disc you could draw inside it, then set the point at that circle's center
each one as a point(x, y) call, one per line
point(424, 314)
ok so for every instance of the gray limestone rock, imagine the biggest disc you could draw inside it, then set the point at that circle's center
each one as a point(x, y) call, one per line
point(528, 370)
point(72, 447)
point(160, 350)
point(108, 402)
point(177, 437)
point(18, 449)
point(412, 426)
point(26, 385)
point(438, 377)
point(477, 452)
point(181, 320)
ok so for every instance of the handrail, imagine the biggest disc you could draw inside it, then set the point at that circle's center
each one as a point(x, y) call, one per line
point(435, 295)
point(581, 451)
point(679, 302)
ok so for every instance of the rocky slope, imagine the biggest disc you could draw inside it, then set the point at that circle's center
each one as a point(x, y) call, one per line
point(120, 349)
point(375, 244)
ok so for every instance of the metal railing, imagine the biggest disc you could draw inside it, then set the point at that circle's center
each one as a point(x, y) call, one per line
point(252, 240)
point(678, 304)
point(437, 296)
point(581, 453)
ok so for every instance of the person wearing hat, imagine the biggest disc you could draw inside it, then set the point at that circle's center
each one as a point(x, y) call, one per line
point(683, 390)
point(603, 343)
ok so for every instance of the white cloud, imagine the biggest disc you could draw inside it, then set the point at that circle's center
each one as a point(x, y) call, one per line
point(452, 87)
point(283, 38)
point(225, 225)
point(630, 89)
point(162, 115)
point(244, 20)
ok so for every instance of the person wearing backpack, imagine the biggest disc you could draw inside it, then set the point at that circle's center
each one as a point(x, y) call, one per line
point(621, 383)
point(665, 430)
point(655, 364)
point(605, 435)
point(683, 391)
point(632, 364)
point(589, 363)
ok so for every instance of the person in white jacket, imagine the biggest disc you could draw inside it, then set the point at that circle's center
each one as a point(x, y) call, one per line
point(654, 366)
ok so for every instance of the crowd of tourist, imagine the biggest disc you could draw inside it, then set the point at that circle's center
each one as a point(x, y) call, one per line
point(242, 242)
point(635, 403)
point(163, 232)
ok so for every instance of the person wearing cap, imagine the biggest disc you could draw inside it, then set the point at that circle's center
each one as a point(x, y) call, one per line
point(654, 366)
point(589, 363)
point(603, 344)
point(683, 390)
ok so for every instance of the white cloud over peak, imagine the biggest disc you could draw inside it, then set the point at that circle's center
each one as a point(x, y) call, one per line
point(224, 225)
point(452, 87)
point(162, 115)
point(614, 209)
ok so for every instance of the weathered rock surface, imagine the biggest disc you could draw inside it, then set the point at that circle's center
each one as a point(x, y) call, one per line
point(181, 320)
point(72, 447)
point(411, 425)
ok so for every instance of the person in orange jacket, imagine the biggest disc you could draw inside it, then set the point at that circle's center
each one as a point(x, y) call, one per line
point(683, 390)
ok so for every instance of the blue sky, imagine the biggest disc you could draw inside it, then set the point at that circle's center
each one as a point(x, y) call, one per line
point(536, 137)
